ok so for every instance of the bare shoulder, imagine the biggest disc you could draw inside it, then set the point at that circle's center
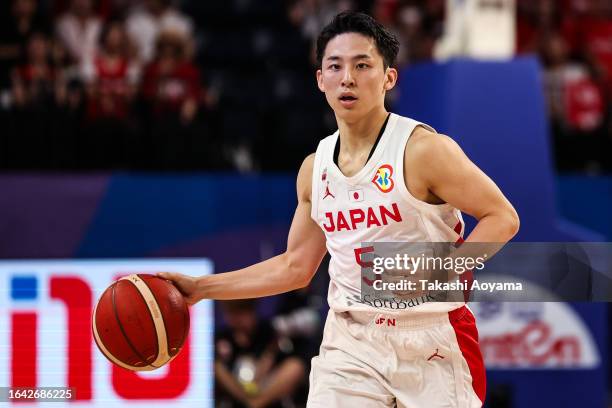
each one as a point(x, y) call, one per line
point(304, 178)
point(425, 145)
point(428, 154)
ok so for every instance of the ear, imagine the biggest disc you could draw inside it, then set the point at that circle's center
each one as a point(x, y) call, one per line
point(320, 80)
point(390, 78)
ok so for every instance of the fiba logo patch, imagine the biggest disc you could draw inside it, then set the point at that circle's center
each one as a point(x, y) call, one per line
point(382, 178)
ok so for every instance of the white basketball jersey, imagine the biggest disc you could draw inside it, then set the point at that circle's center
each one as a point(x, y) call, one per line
point(374, 205)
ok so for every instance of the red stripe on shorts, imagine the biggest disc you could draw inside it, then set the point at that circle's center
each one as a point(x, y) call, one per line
point(464, 324)
point(468, 276)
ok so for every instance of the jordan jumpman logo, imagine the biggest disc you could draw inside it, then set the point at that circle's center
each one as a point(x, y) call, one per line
point(328, 193)
point(435, 354)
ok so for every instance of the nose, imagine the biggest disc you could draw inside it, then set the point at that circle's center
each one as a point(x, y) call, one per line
point(347, 79)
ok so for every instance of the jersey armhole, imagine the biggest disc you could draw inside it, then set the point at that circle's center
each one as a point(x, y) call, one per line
point(314, 188)
point(402, 187)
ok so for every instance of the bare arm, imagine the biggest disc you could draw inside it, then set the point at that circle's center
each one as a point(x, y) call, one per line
point(229, 383)
point(443, 172)
point(290, 270)
point(281, 382)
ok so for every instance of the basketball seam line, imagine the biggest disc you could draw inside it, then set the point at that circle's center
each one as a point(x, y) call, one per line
point(125, 336)
point(95, 335)
point(107, 353)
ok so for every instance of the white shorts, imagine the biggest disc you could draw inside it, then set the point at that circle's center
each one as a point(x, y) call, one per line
point(375, 360)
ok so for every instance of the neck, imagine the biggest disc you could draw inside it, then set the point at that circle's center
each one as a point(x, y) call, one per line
point(361, 133)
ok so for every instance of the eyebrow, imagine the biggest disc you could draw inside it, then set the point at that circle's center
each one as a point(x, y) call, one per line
point(356, 57)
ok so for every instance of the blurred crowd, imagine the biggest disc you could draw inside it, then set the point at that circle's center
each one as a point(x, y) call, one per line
point(207, 85)
point(573, 39)
point(84, 82)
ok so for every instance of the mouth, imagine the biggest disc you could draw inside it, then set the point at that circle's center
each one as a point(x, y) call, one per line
point(347, 100)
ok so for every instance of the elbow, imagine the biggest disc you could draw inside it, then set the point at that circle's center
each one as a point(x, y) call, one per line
point(299, 274)
point(302, 278)
point(303, 283)
point(512, 223)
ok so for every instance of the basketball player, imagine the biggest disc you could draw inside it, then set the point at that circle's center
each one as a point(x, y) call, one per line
point(380, 177)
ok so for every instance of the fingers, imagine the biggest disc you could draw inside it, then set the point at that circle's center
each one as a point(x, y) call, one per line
point(166, 275)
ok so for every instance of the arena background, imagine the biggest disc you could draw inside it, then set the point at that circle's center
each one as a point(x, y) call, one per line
point(167, 136)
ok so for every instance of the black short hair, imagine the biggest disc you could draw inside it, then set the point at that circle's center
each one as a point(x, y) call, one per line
point(356, 22)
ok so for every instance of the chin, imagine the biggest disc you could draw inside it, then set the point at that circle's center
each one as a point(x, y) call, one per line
point(348, 114)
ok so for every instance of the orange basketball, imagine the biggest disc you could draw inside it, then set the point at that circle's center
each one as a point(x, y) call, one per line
point(140, 322)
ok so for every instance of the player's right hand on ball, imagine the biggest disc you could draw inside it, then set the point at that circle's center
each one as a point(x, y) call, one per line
point(186, 284)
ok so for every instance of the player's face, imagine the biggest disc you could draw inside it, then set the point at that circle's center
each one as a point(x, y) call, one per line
point(353, 76)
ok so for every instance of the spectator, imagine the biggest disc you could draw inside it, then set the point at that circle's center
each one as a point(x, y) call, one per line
point(433, 17)
point(36, 83)
point(576, 106)
point(592, 37)
point(312, 15)
point(145, 24)
point(38, 91)
point(171, 82)
point(110, 76)
point(171, 88)
point(416, 42)
point(110, 83)
point(250, 369)
point(298, 325)
point(536, 19)
point(103, 8)
point(385, 12)
point(15, 30)
point(79, 30)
